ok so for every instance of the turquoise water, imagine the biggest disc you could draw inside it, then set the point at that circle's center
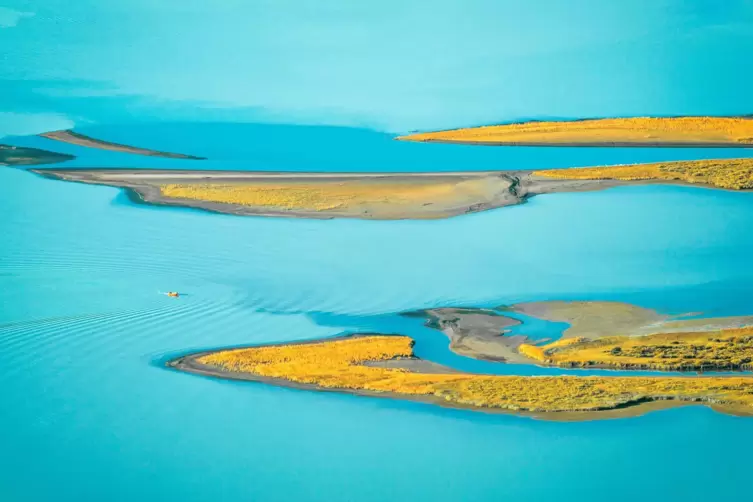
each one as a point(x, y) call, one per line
point(274, 147)
point(83, 332)
point(88, 410)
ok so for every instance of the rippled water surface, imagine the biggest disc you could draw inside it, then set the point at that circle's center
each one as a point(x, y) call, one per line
point(90, 413)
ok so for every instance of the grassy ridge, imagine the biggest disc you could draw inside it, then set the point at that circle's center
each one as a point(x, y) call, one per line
point(698, 131)
point(729, 349)
point(723, 173)
point(339, 364)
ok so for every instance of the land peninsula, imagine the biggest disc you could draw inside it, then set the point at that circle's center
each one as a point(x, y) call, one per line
point(391, 196)
point(601, 334)
point(23, 156)
point(75, 138)
point(385, 366)
point(622, 132)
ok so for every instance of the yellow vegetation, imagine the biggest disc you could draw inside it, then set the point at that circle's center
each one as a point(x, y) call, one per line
point(338, 364)
point(717, 350)
point(723, 173)
point(315, 196)
point(637, 130)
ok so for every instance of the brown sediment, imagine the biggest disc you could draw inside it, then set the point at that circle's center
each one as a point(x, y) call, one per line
point(599, 319)
point(339, 365)
point(23, 156)
point(477, 333)
point(74, 138)
point(596, 326)
point(709, 132)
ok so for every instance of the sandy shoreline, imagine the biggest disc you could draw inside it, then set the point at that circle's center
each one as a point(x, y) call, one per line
point(473, 192)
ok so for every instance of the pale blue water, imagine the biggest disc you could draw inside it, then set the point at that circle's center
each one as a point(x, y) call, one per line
point(89, 413)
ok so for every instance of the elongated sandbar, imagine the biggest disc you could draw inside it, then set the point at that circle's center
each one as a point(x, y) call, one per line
point(391, 196)
point(698, 132)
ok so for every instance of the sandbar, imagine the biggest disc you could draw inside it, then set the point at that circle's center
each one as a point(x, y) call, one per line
point(703, 131)
point(378, 196)
point(393, 196)
point(75, 138)
point(476, 333)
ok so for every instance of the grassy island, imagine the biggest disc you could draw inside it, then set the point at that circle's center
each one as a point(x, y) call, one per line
point(634, 131)
point(378, 196)
point(390, 196)
point(735, 174)
point(729, 349)
point(359, 364)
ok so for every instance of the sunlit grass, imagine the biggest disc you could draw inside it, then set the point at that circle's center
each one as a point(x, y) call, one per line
point(638, 130)
point(730, 349)
point(338, 364)
point(314, 196)
point(723, 173)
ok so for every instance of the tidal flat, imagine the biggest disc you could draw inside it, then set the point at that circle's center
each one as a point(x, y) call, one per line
point(370, 365)
point(392, 196)
point(702, 131)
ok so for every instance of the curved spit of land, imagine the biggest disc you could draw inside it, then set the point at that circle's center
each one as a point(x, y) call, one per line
point(621, 132)
point(23, 156)
point(75, 138)
point(384, 365)
point(388, 196)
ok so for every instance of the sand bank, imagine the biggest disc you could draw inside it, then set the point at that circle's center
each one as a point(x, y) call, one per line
point(598, 319)
point(476, 333)
point(379, 196)
point(601, 335)
point(392, 196)
point(721, 132)
point(74, 138)
point(340, 365)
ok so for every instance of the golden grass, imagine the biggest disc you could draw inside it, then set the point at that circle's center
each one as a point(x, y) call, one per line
point(338, 364)
point(723, 173)
point(730, 349)
point(317, 196)
point(636, 130)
